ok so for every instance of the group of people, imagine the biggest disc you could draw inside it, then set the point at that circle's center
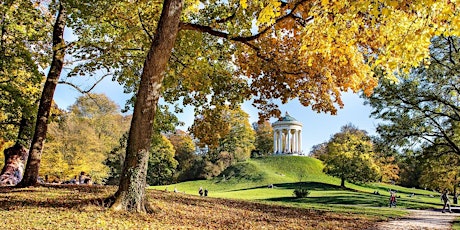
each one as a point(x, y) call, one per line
point(203, 192)
point(444, 198)
point(83, 178)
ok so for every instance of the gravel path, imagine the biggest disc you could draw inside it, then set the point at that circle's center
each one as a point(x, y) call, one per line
point(421, 219)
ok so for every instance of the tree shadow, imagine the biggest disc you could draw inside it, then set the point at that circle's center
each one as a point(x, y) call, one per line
point(76, 198)
point(313, 186)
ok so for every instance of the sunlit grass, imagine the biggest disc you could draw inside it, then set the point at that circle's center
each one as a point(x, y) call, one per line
point(249, 181)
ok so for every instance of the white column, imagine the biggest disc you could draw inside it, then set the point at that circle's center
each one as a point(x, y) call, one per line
point(288, 139)
point(274, 141)
point(293, 141)
point(300, 140)
point(280, 141)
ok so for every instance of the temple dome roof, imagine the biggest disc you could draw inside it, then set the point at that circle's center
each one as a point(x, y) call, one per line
point(286, 120)
point(287, 117)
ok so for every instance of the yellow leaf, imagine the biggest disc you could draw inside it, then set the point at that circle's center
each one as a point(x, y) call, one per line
point(244, 4)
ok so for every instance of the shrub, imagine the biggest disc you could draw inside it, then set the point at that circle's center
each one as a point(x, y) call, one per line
point(301, 192)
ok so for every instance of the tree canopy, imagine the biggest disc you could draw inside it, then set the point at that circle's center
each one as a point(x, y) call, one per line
point(24, 46)
point(421, 109)
point(350, 156)
point(81, 139)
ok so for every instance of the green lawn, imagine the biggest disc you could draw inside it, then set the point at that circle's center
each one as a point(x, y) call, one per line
point(249, 181)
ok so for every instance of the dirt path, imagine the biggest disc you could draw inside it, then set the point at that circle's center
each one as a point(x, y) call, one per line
point(421, 219)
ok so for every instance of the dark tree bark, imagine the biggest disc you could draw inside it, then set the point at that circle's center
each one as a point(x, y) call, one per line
point(15, 159)
point(131, 191)
point(41, 127)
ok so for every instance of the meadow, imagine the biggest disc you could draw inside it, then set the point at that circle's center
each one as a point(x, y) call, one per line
point(250, 181)
point(240, 200)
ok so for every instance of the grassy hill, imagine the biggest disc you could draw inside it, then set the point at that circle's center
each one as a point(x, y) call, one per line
point(250, 179)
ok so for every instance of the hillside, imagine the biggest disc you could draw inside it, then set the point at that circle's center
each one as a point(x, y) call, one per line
point(250, 179)
point(276, 170)
point(281, 171)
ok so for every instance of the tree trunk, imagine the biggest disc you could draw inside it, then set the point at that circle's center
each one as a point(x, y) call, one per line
point(342, 182)
point(131, 191)
point(15, 159)
point(41, 127)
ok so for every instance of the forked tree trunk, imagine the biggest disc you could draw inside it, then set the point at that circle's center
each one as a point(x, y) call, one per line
point(131, 191)
point(41, 127)
point(15, 159)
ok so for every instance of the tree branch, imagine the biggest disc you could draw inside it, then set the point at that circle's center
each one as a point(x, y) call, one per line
point(80, 89)
point(143, 26)
point(245, 39)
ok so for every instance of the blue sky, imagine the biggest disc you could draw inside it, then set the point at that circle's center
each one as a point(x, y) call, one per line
point(317, 127)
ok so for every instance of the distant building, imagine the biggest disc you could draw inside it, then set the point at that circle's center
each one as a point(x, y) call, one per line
point(287, 136)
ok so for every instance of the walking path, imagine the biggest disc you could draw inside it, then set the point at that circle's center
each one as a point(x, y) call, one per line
point(422, 219)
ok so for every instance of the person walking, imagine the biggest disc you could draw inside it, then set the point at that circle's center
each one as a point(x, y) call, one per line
point(446, 200)
point(392, 199)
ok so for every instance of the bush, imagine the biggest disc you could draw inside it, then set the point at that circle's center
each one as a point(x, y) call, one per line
point(301, 192)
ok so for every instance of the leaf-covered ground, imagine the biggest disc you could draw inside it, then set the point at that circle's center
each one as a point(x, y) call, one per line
point(80, 207)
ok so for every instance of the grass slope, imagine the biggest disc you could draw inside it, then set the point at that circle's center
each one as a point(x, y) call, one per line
point(249, 180)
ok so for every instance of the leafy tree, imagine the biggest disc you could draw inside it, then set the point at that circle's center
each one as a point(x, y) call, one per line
point(439, 172)
point(227, 134)
point(421, 112)
point(350, 156)
point(184, 154)
point(115, 160)
point(340, 44)
point(225, 129)
point(162, 165)
point(165, 122)
point(264, 138)
point(24, 47)
point(422, 109)
point(319, 151)
point(83, 137)
point(410, 168)
point(387, 160)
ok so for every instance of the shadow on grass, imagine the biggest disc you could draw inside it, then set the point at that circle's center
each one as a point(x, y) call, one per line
point(355, 199)
point(312, 186)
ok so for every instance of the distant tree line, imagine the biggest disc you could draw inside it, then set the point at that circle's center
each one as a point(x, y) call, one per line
point(91, 136)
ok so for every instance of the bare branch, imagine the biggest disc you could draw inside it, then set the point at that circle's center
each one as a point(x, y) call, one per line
point(80, 89)
point(143, 26)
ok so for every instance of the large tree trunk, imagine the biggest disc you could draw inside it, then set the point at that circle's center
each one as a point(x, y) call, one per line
point(131, 191)
point(15, 159)
point(41, 127)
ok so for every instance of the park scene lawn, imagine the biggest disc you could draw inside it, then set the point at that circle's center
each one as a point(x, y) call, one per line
point(250, 180)
point(241, 201)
